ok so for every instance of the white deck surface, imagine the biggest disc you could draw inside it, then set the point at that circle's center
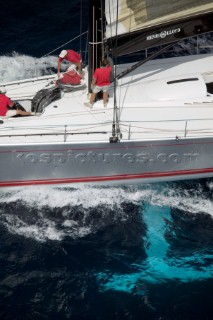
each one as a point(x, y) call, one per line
point(149, 107)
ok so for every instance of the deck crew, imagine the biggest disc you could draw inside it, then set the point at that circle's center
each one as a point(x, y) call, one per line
point(6, 104)
point(70, 56)
point(100, 82)
point(71, 76)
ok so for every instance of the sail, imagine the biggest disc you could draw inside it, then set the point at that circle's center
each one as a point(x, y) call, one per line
point(133, 25)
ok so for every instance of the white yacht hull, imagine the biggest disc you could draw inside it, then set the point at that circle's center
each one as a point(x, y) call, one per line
point(106, 163)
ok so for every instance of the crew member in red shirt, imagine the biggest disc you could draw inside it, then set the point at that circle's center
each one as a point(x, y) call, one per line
point(5, 103)
point(71, 56)
point(100, 82)
point(72, 76)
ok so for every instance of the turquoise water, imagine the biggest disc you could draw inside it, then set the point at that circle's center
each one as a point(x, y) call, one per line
point(160, 263)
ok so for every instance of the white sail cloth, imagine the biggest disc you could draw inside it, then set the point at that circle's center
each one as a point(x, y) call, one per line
point(125, 16)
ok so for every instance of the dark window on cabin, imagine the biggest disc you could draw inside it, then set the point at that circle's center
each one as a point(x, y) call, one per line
point(182, 80)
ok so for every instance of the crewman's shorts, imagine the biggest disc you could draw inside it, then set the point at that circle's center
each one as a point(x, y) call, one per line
point(97, 89)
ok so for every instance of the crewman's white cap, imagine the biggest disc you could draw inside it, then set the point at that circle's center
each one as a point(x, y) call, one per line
point(63, 53)
point(72, 67)
point(3, 90)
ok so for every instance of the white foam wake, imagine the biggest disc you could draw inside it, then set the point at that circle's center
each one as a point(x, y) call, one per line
point(190, 199)
point(51, 213)
point(17, 67)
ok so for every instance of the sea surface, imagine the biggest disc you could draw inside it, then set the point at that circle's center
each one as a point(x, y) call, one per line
point(97, 253)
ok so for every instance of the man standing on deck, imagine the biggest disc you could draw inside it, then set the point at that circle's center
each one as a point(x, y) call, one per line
point(71, 56)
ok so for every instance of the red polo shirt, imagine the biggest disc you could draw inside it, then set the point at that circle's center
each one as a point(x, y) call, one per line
point(71, 56)
point(4, 102)
point(102, 76)
point(71, 77)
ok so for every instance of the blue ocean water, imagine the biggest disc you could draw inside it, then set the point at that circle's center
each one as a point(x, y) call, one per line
point(142, 252)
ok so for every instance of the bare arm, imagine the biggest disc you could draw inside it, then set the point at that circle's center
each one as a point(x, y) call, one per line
point(93, 81)
point(79, 65)
point(59, 67)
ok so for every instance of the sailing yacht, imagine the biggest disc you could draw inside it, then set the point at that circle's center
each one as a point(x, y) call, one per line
point(158, 124)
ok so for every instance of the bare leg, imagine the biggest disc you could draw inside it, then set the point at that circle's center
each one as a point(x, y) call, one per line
point(105, 97)
point(92, 98)
point(23, 113)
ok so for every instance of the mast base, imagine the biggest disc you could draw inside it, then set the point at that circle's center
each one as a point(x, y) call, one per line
point(114, 139)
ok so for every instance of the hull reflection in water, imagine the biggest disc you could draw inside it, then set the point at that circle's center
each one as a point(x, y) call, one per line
point(160, 264)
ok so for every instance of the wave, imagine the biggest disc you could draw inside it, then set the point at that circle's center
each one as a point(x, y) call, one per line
point(17, 67)
point(48, 213)
point(193, 196)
